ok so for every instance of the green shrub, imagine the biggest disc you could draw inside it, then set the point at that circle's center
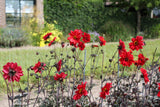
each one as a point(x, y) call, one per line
point(76, 14)
point(115, 30)
point(13, 37)
point(151, 28)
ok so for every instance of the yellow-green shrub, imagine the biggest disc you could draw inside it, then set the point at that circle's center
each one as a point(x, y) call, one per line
point(55, 33)
point(37, 35)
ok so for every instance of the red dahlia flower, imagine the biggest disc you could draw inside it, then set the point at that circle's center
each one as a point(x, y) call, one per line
point(81, 91)
point(141, 59)
point(75, 36)
point(159, 90)
point(60, 76)
point(59, 65)
point(105, 90)
point(72, 44)
point(159, 69)
point(39, 67)
point(136, 43)
point(126, 58)
point(136, 63)
point(52, 41)
point(145, 75)
point(12, 72)
point(45, 37)
point(81, 46)
point(121, 47)
point(86, 37)
point(102, 41)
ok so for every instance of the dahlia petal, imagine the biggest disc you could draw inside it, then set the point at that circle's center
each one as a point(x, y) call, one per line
point(77, 97)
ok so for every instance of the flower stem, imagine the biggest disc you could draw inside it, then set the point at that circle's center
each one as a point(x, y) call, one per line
point(12, 93)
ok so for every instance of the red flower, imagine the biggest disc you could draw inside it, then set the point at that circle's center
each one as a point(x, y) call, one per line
point(75, 36)
point(126, 58)
point(59, 65)
point(72, 44)
point(102, 41)
point(136, 43)
point(141, 59)
point(159, 69)
point(86, 37)
point(38, 67)
point(136, 63)
point(81, 46)
point(60, 76)
point(105, 90)
point(52, 41)
point(12, 72)
point(121, 47)
point(45, 37)
point(145, 75)
point(159, 90)
point(81, 91)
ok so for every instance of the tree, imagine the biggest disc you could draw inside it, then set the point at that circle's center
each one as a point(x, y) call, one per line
point(138, 5)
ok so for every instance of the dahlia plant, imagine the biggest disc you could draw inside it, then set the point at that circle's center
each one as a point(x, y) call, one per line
point(60, 80)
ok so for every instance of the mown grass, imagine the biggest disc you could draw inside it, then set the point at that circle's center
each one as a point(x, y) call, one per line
point(26, 57)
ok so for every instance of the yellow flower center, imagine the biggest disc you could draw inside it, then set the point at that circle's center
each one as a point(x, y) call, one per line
point(105, 89)
point(126, 59)
point(74, 37)
point(136, 43)
point(80, 91)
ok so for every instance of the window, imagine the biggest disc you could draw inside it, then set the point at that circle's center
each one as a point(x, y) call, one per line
point(156, 13)
point(17, 9)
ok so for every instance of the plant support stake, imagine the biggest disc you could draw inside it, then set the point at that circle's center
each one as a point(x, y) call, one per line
point(84, 65)
point(118, 64)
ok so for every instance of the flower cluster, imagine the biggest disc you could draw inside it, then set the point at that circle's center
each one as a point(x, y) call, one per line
point(75, 38)
point(49, 38)
point(126, 58)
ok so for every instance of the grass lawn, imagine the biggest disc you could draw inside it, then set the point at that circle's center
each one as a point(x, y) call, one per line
point(25, 57)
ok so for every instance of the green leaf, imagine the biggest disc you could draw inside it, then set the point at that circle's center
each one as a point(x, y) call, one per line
point(149, 5)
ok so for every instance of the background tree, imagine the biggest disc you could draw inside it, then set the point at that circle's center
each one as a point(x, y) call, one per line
point(138, 5)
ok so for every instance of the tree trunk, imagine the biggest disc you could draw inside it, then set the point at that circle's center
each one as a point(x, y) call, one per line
point(138, 21)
